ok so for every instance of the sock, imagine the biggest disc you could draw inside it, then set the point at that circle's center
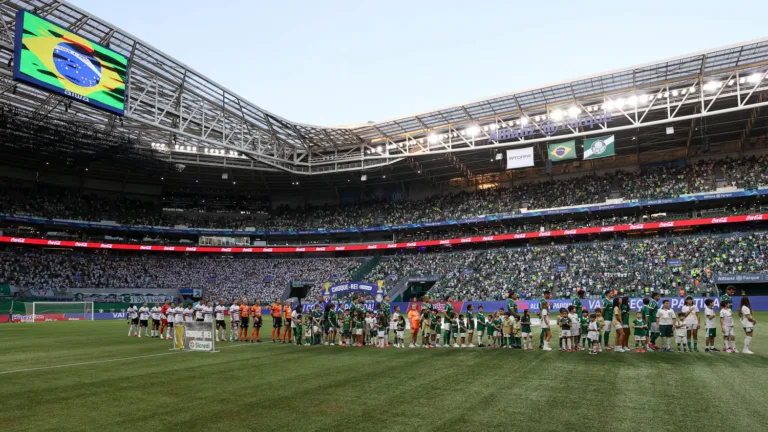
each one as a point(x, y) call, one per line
point(747, 341)
point(725, 343)
point(696, 344)
point(607, 337)
point(541, 338)
point(654, 336)
point(689, 344)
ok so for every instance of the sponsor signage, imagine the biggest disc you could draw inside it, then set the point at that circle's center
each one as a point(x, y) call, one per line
point(741, 278)
point(425, 243)
point(550, 127)
point(349, 287)
point(520, 158)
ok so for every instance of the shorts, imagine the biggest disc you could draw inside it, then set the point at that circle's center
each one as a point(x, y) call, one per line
point(134, 321)
point(655, 327)
point(382, 333)
point(616, 326)
point(358, 332)
point(681, 339)
point(170, 324)
point(496, 334)
point(607, 326)
point(199, 320)
point(639, 338)
point(748, 329)
point(315, 329)
point(728, 331)
point(288, 322)
point(221, 323)
point(526, 334)
point(666, 330)
point(244, 322)
point(575, 333)
point(277, 322)
point(462, 335)
point(711, 332)
point(593, 336)
point(155, 323)
point(565, 333)
point(257, 322)
point(691, 326)
point(164, 321)
point(480, 333)
point(399, 334)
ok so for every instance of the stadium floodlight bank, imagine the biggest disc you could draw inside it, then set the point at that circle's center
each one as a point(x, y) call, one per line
point(60, 311)
point(195, 336)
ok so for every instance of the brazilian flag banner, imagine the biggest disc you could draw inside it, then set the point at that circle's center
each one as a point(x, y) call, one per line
point(562, 151)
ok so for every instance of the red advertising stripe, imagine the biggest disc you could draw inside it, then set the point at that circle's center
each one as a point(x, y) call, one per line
point(384, 246)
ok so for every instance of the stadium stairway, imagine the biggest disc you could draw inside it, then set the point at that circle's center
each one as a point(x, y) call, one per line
point(362, 272)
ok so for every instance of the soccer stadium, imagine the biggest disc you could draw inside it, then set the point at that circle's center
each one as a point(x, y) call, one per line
point(587, 255)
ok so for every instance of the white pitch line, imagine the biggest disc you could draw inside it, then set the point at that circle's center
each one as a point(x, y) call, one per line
point(87, 363)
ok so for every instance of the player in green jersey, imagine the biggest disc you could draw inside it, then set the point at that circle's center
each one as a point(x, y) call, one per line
point(576, 301)
point(481, 326)
point(608, 317)
point(512, 302)
point(584, 322)
point(387, 308)
point(359, 324)
point(399, 332)
point(346, 329)
point(434, 328)
point(565, 331)
point(470, 317)
point(641, 331)
point(625, 322)
point(653, 324)
point(317, 318)
point(525, 329)
point(730, 291)
point(333, 324)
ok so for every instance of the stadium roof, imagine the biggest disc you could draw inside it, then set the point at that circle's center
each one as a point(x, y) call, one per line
point(179, 115)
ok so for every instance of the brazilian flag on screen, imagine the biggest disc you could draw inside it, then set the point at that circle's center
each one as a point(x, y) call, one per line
point(562, 151)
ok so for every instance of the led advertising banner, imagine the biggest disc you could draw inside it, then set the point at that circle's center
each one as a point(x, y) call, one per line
point(55, 59)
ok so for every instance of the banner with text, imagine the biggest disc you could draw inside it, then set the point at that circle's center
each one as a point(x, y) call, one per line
point(520, 158)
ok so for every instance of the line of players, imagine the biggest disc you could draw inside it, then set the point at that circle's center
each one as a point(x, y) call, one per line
point(358, 326)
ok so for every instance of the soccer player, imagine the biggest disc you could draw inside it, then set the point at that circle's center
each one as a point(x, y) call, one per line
point(277, 319)
point(470, 326)
point(164, 317)
point(208, 312)
point(497, 324)
point(576, 301)
point(381, 327)
point(692, 322)
point(525, 328)
point(565, 331)
point(414, 318)
point(234, 321)
point(133, 317)
point(156, 313)
point(710, 325)
point(359, 324)
point(399, 332)
point(199, 310)
point(641, 331)
point(221, 326)
point(681, 333)
point(653, 310)
point(188, 314)
point(245, 319)
point(512, 302)
point(258, 321)
point(387, 308)
point(308, 329)
point(616, 323)
point(726, 323)
point(543, 311)
point(288, 319)
point(575, 326)
point(346, 329)
point(608, 317)
point(296, 324)
point(178, 318)
point(333, 323)
point(747, 322)
point(625, 323)
point(546, 332)
point(730, 291)
point(666, 318)
point(584, 322)
point(144, 319)
point(317, 318)
point(481, 326)
point(593, 334)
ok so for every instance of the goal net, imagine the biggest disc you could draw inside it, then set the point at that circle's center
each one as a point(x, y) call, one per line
point(59, 311)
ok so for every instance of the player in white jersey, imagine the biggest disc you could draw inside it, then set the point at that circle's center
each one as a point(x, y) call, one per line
point(188, 313)
point(208, 312)
point(178, 317)
point(726, 324)
point(545, 328)
point(199, 310)
point(666, 318)
point(234, 321)
point(692, 323)
point(171, 320)
point(747, 322)
point(221, 326)
point(710, 324)
point(133, 318)
point(144, 319)
point(157, 313)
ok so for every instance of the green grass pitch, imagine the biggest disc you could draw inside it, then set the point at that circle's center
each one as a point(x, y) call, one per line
point(59, 377)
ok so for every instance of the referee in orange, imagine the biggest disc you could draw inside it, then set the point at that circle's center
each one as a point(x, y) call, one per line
point(277, 319)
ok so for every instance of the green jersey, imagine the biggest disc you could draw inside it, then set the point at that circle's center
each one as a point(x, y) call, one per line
point(462, 326)
point(448, 310)
point(577, 303)
point(470, 321)
point(645, 310)
point(332, 318)
point(497, 324)
point(543, 304)
point(386, 308)
point(317, 317)
point(584, 324)
point(480, 322)
point(653, 310)
point(639, 330)
point(512, 305)
point(565, 322)
point(525, 324)
point(607, 309)
point(359, 323)
point(625, 314)
point(347, 324)
point(401, 325)
point(726, 297)
point(433, 322)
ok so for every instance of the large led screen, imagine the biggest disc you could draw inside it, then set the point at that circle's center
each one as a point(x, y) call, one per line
point(60, 61)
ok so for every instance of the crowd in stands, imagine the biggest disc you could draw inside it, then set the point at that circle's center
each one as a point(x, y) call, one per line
point(227, 278)
point(657, 182)
point(631, 266)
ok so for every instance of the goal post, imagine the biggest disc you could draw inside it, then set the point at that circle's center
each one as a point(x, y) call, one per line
point(59, 311)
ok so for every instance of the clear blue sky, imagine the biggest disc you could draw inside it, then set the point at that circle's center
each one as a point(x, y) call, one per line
point(342, 62)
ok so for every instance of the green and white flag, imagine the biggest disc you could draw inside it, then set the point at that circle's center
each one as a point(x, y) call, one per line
point(600, 147)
